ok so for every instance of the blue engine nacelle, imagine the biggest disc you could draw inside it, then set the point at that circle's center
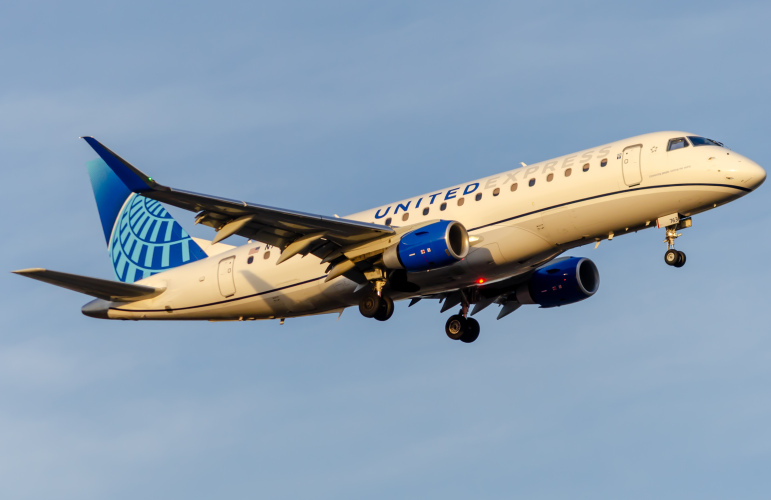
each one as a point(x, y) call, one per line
point(429, 247)
point(563, 281)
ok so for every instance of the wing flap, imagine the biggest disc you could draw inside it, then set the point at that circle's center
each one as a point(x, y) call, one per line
point(95, 287)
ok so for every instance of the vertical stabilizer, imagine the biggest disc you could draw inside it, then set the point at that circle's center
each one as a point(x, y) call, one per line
point(142, 238)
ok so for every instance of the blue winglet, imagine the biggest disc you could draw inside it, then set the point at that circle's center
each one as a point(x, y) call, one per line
point(131, 176)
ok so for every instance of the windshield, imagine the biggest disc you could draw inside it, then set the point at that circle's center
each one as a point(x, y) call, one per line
point(703, 141)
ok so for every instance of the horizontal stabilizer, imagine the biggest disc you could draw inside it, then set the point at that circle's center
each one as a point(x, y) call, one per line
point(95, 287)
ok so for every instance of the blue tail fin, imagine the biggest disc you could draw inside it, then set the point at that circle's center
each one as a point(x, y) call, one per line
point(142, 238)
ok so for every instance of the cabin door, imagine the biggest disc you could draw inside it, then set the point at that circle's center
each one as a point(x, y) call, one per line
point(630, 164)
point(225, 273)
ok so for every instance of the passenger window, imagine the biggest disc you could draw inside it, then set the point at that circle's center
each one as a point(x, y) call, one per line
point(604, 162)
point(531, 182)
point(514, 187)
point(478, 196)
point(461, 201)
point(388, 221)
point(496, 191)
point(549, 177)
point(266, 256)
point(250, 259)
point(586, 167)
point(568, 172)
point(406, 216)
point(425, 211)
point(678, 143)
point(443, 206)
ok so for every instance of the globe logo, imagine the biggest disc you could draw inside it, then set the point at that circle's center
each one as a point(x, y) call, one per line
point(147, 240)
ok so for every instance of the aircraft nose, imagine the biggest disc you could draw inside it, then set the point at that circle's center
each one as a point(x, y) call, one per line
point(752, 174)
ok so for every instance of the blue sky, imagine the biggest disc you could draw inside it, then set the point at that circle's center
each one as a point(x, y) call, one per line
point(656, 387)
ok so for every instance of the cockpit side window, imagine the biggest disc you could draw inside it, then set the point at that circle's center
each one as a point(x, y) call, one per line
point(703, 141)
point(678, 143)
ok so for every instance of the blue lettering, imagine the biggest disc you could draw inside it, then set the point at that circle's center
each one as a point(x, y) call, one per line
point(434, 196)
point(417, 205)
point(467, 191)
point(403, 207)
point(378, 216)
point(451, 194)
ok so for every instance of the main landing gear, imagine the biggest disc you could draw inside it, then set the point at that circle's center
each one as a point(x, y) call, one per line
point(375, 305)
point(461, 327)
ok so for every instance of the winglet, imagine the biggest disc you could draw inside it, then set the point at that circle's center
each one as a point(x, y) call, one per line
point(134, 179)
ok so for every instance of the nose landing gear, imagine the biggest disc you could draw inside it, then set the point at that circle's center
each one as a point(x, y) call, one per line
point(674, 257)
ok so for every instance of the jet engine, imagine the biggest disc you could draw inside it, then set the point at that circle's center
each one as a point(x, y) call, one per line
point(429, 247)
point(563, 281)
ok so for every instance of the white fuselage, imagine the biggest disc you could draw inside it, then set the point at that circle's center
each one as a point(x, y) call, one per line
point(522, 218)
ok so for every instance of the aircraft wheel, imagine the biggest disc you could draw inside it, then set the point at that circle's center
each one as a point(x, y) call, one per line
point(386, 309)
point(681, 260)
point(472, 331)
point(455, 326)
point(370, 304)
point(672, 257)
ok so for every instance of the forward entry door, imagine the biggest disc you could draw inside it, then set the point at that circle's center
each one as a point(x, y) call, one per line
point(227, 285)
point(630, 164)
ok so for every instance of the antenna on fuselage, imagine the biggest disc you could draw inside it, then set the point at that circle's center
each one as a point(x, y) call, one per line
point(523, 164)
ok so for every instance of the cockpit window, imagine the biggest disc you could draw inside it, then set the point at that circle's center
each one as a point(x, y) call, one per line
point(678, 143)
point(703, 141)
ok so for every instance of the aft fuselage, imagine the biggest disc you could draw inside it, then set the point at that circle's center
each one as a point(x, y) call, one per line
point(516, 219)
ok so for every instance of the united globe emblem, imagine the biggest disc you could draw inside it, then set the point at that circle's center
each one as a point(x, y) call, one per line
point(147, 240)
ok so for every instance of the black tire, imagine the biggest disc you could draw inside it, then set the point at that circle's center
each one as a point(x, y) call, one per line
point(472, 331)
point(369, 304)
point(455, 327)
point(672, 257)
point(681, 259)
point(386, 309)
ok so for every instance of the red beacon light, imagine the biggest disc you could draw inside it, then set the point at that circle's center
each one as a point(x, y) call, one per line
point(481, 280)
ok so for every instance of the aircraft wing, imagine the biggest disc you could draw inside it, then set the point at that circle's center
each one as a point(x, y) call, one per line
point(301, 232)
point(95, 287)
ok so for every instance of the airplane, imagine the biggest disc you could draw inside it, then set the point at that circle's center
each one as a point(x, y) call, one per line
point(494, 240)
